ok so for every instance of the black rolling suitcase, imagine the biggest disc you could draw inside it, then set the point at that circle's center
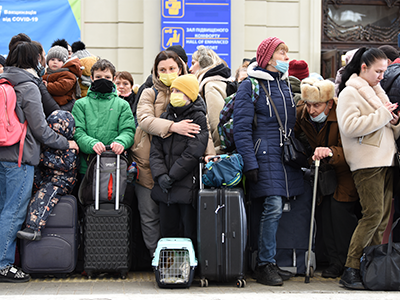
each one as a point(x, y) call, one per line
point(107, 232)
point(57, 252)
point(221, 235)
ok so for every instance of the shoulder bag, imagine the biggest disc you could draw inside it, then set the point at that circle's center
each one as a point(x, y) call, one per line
point(293, 152)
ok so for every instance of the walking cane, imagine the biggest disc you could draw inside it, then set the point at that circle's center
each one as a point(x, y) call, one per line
point(307, 279)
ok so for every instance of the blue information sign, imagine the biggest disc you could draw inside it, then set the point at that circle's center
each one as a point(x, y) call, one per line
point(191, 23)
point(42, 20)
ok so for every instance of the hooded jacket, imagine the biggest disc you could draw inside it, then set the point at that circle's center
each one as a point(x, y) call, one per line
point(148, 113)
point(260, 148)
point(367, 136)
point(29, 107)
point(213, 90)
point(391, 83)
point(60, 167)
point(178, 155)
point(102, 118)
point(345, 190)
point(61, 84)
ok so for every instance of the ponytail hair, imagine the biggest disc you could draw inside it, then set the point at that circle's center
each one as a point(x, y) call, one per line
point(362, 56)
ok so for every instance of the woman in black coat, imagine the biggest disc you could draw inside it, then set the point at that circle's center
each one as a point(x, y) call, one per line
point(174, 161)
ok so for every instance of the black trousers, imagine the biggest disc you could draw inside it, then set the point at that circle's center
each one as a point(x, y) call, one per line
point(338, 221)
point(178, 220)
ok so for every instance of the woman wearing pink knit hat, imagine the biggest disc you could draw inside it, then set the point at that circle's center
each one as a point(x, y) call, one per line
point(270, 180)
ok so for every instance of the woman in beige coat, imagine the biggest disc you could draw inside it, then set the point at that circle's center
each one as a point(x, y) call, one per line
point(213, 74)
point(152, 103)
point(368, 127)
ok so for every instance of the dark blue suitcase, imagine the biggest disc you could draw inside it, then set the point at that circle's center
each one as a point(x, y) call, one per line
point(57, 252)
point(292, 237)
point(221, 235)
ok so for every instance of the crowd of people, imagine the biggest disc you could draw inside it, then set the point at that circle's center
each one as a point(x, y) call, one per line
point(80, 103)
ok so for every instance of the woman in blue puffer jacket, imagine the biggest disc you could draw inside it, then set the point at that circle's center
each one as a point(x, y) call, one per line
point(261, 149)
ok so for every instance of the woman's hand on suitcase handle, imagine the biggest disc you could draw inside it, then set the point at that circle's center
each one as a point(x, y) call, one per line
point(73, 145)
point(99, 148)
point(212, 157)
point(117, 148)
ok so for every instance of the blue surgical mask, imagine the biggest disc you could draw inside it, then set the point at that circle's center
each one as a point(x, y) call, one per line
point(282, 66)
point(320, 118)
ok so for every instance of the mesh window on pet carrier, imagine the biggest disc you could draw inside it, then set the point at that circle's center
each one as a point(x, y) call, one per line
point(174, 266)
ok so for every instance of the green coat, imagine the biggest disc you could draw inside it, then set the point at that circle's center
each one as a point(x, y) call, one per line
point(102, 118)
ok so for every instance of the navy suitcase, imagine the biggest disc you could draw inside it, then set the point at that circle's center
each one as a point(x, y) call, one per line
point(107, 234)
point(292, 237)
point(221, 235)
point(57, 252)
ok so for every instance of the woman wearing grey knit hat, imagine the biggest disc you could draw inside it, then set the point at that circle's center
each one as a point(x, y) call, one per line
point(212, 74)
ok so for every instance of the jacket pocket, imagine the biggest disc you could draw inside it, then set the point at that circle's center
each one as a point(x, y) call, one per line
point(372, 139)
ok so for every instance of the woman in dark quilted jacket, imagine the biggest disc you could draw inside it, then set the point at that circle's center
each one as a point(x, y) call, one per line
point(54, 177)
point(269, 178)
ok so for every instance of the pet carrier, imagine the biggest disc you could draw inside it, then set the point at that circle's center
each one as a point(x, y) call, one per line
point(174, 262)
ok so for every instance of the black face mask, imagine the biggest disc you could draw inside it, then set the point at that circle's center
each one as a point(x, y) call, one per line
point(102, 85)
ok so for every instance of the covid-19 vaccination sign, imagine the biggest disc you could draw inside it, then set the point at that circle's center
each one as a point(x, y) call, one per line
point(191, 23)
point(42, 20)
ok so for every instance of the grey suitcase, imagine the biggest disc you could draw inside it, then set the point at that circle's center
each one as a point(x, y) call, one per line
point(57, 252)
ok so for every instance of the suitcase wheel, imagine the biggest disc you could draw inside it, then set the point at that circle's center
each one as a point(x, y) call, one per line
point(203, 282)
point(241, 283)
point(123, 275)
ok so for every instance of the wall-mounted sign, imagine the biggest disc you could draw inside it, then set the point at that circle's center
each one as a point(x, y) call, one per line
point(44, 21)
point(191, 23)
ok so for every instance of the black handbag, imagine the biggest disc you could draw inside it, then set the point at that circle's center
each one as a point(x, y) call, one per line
point(293, 152)
point(380, 266)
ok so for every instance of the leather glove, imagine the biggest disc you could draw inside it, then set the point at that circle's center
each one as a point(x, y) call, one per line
point(252, 175)
point(165, 182)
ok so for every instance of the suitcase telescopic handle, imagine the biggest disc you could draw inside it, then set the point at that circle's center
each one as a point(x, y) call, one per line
point(201, 165)
point(118, 179)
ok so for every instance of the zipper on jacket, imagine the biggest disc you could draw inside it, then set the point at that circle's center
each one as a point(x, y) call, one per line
point(269, 105)
point(284, 102)
point(291, 94)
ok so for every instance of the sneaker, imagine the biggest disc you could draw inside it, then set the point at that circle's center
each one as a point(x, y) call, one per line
point(351, 279)
point(332, 271)
point(285, 275)
point(13, 274)
point(29, 234)
point(268, 275)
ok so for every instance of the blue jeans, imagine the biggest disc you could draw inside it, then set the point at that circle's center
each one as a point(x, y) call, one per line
point(15, 193)
point(268, 226)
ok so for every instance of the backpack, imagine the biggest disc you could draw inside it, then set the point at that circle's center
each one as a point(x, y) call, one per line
point(227, 171)
point(12, 130)
point(225, 126)
point(231, 87)
point(107, 179)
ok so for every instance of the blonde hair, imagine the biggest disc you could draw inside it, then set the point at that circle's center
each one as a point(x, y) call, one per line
point(206, 57)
